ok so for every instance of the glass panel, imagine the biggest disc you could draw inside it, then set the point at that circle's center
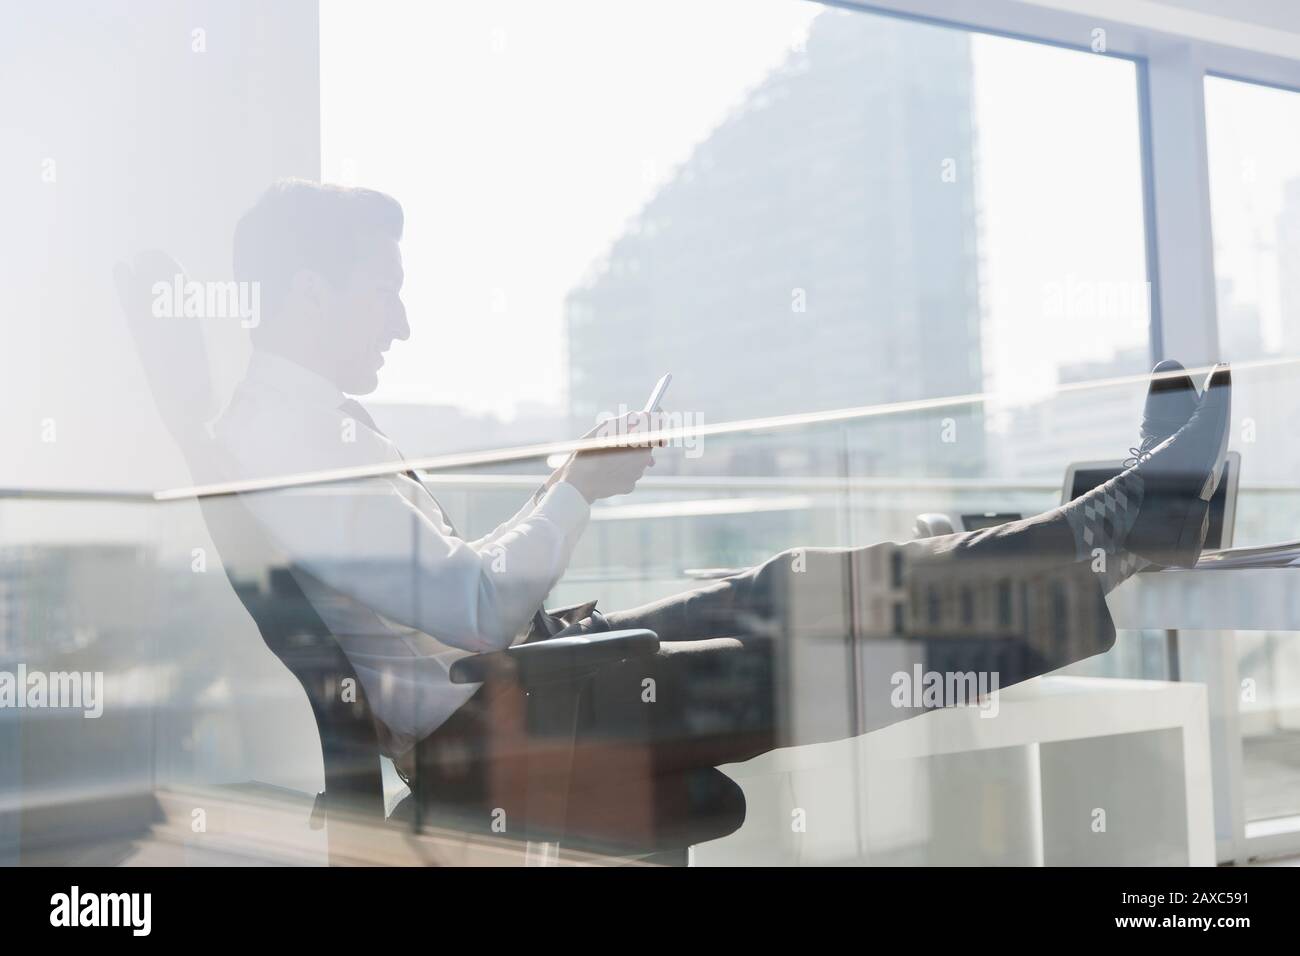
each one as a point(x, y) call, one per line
point(155, 727)
point(856, 219)
point(1254, 151)
point(859, 211)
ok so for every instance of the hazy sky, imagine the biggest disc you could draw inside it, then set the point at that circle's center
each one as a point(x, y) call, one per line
point(1060, 194)
point(1254, 148)
point(531, 133)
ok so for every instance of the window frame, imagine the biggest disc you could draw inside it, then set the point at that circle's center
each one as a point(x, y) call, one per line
point(1171, 72)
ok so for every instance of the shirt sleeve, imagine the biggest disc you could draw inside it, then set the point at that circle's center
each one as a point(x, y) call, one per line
point(376, 542)
point(529, 507)
point(382, 541)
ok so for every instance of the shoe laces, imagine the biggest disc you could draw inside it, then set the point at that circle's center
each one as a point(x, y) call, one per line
point(1142, 452)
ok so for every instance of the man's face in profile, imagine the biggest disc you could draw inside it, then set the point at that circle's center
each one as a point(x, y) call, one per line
point(362, 315)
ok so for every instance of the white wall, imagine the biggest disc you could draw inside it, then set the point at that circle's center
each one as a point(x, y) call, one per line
point(153, 145)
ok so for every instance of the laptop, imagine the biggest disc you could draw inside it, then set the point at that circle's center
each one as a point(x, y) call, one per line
point(1081, 477)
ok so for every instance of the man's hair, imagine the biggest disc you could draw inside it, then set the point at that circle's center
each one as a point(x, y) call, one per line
point(298, 224)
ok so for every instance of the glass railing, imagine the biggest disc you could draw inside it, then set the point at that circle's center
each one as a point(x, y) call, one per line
point(159, 624)
point(186, 740)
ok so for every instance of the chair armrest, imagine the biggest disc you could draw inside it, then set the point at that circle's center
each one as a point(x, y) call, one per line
point(560, 658)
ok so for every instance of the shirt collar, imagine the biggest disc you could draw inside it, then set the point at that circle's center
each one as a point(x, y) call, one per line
point(285, 375)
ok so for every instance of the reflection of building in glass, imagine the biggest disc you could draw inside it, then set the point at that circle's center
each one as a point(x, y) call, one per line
point(1087, 424)
point(188, 687)
point(817, 251)
point(86, 606)
point(37, 588)
point(1007, 617)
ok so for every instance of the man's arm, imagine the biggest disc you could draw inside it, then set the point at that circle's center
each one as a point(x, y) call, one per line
point(529, 507)
point(596, 476)
point(379, 542)
point(372, 542)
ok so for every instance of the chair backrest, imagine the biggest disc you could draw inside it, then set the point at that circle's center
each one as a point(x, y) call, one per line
point(172, 350)
point(174, 358)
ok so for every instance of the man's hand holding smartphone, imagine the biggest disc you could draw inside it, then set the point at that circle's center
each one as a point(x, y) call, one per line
point(604, 472)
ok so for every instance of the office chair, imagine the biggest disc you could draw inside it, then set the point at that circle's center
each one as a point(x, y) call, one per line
point(536, 691)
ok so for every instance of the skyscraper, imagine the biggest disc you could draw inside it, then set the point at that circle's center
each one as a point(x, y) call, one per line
point(817, 251)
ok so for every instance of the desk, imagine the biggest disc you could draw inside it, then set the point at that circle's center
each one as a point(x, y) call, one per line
point(1021, 788)
point(1205, 605)
point(1256, 599)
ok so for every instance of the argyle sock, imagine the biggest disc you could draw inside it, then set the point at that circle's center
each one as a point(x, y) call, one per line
point(1100, 522)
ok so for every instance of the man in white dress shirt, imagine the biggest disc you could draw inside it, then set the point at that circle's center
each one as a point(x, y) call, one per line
point(405, 594)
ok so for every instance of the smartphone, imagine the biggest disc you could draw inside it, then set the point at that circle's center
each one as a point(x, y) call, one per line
point(657, 394)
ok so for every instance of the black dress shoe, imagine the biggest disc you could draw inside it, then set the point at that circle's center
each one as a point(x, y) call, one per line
point(1179, 476)
point(1171, 402)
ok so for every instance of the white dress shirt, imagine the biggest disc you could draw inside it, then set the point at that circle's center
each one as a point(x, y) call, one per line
point(404, 595)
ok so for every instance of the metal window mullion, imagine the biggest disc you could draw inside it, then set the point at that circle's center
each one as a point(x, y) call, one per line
point(1180, 236)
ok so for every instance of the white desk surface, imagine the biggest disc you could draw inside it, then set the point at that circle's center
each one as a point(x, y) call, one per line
point(1049, 709)
point(1041, 710)
point(1255, 599)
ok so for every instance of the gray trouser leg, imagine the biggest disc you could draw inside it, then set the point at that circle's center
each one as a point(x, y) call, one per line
point(839, 625)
